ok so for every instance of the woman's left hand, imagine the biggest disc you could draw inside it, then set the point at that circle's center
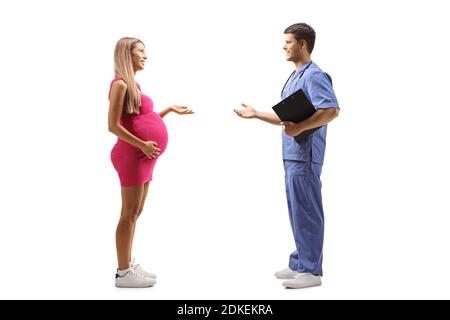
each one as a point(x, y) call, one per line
point(181, 110)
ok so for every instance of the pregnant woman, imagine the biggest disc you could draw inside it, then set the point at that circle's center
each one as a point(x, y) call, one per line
point(142, 138)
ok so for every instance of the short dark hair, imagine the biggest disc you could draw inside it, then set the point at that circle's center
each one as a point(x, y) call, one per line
point(302, 31)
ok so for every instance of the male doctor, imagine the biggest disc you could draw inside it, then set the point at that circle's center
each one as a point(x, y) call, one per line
point(303, 161)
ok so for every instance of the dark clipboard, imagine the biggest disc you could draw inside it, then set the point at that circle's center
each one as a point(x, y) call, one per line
point(296, 108)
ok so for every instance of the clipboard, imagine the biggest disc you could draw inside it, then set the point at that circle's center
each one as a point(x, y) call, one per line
point(296, 108)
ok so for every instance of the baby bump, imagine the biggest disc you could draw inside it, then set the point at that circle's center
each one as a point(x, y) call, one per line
point(150, 127)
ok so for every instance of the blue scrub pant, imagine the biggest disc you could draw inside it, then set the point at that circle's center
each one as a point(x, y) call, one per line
point(304, 199)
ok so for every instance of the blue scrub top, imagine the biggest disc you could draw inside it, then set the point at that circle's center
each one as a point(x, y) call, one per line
point(318, 88)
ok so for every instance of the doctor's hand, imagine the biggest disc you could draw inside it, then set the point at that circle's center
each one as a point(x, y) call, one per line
point(291, 129)
point(248, 112)
point(150, 149)
point(181, 110)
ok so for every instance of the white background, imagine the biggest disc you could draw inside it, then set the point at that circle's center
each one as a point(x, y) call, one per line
point(215, 224)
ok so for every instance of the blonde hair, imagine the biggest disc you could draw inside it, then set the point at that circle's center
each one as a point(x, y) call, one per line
point(123, 67)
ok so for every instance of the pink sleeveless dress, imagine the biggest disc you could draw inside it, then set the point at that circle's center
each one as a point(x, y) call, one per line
point(132, 165)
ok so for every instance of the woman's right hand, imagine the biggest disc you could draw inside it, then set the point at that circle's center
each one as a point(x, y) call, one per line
point(150, 149)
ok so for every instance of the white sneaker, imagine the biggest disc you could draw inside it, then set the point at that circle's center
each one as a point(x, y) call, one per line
point(137, 267)
point(286, 274)
point(132, 279)
point(303, 280)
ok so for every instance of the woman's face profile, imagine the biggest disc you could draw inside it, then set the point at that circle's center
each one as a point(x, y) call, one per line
point(138, 57)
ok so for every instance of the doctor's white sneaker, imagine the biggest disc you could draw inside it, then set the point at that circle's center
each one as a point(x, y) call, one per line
point(137, 267)
point(303, 280)
point(131, 279)
point(286, 274)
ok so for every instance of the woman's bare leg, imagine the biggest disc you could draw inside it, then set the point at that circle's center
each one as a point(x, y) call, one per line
point(141, 207)
point(131, 203)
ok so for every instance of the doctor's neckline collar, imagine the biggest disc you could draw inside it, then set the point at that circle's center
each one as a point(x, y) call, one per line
point(304, 66)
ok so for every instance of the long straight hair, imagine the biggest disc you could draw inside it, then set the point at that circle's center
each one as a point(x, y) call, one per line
point(123, 67)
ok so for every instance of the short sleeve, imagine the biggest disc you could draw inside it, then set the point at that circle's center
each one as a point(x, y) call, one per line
point(320, 91)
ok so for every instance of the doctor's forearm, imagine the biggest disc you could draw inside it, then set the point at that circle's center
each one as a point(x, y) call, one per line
point(271, 118)
point(320, 118)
